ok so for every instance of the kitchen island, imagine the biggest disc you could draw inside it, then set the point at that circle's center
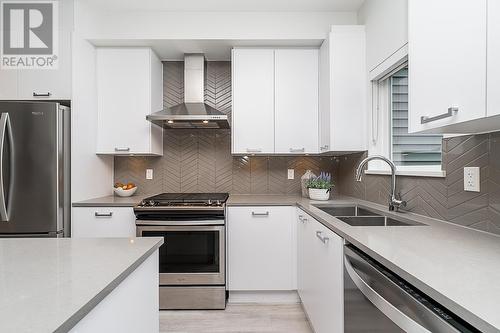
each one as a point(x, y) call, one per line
point(79, 285)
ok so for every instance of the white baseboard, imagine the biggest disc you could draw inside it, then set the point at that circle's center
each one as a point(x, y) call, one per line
point(264, 297)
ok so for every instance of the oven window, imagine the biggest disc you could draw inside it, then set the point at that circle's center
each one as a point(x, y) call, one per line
point(188, 251)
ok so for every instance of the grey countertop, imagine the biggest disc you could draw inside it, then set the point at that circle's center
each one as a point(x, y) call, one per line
point(457, 266)
point(48, 285)
point(111, 201)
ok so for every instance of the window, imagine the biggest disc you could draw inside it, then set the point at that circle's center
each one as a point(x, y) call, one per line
point(408, 149)
point(413, 154)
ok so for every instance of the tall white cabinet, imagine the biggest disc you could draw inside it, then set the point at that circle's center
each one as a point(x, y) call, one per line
point(129, 87)
point(447, 63)
point(342, 94)
point(275, 101)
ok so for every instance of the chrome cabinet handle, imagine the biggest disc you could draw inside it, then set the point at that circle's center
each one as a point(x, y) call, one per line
point(451, 112)
point(325, 147)
point(324, 240)
point(110, 214)
point(260, 214)
point(122, 149)
point(302, 219)
point(254, 150)
point(47, 94)
point(297, 150)
point(5, 128)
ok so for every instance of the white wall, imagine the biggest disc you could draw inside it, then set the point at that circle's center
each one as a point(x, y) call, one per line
point(386, 24)
point(92, 175)
point(215, 25)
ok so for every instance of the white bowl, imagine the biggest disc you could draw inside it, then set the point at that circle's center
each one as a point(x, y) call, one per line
point(124, 193)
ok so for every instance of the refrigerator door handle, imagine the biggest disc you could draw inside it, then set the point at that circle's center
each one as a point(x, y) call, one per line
point(5, 128)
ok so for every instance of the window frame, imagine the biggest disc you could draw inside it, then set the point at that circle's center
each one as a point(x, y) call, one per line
point(380, 120)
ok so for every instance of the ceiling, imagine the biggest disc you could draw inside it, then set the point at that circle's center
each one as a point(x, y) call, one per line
point(214, 50)
point(230, 5)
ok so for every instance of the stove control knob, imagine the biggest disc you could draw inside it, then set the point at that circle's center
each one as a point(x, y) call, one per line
point(151, 203)
point(209, 202)
point(218, 203)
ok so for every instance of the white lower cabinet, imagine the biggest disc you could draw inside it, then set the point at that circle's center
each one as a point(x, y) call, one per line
point(261, 248)
point(320, 274)
point(103, 222)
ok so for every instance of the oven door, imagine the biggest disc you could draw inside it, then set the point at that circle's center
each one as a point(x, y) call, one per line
point(190, 254)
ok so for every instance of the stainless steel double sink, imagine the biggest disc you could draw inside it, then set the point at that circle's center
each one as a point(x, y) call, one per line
point(362, 217)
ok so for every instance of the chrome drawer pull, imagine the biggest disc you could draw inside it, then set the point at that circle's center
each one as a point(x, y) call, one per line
point(324, 240)
point(254, 150)
point(302, 219)
point(122, 149)
point(260, 214)
point(451, 112)
point(325, 147)
point(297, 150)
point(47, 94)
point(110, 214)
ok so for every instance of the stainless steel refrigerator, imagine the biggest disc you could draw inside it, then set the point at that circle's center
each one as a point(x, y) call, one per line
point(34, 169)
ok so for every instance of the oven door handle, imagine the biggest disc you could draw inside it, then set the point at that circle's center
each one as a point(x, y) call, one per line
point(193, 223)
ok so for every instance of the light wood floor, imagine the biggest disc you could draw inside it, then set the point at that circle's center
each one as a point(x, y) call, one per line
point(237, 318)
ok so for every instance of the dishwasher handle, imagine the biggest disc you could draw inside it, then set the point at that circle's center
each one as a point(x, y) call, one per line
point(396, 299)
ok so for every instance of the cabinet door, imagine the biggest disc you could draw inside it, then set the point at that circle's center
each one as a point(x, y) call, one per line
point(327, 311)
point(447, 61)
point(103, 222)
point(124, 100)
point(296, 101)
point(305, 266)
point(253, 101)
point(493, 102)
point(261, 248)
point(49, 84)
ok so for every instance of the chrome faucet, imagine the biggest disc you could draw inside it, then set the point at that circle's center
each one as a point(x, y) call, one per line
point(395, 201)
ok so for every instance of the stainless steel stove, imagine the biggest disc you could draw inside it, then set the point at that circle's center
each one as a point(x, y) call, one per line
point(192, 258)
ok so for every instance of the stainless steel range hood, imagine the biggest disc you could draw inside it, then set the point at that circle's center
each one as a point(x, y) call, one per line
point(193, 113)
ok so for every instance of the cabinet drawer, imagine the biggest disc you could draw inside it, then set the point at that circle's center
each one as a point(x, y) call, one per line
point(103, 222)
point(261, 248)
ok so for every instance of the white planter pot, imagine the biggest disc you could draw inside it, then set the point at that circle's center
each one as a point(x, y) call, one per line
point(319, 194)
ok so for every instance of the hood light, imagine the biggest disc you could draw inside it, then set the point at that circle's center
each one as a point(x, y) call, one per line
point(170, 121)
point(205, 121)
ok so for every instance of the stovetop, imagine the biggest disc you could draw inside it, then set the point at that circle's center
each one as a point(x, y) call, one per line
point(185, 200)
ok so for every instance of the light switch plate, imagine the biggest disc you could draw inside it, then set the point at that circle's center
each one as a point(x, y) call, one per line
point(291, 174)
point(149, 174)
point(472, 179)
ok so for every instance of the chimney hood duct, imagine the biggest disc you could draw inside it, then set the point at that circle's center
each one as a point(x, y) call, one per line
point(193, 113)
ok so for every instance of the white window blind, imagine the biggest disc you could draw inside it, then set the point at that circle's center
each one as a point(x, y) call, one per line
point(409, 149)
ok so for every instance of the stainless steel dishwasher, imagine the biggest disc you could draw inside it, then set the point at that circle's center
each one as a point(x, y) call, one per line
point(378, 300)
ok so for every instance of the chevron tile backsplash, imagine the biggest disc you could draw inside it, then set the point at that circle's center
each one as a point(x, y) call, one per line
point(442, 198)
point(201, 160)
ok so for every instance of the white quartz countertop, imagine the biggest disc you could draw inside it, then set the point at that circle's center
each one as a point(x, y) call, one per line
point(456, 266)
point(48, 285)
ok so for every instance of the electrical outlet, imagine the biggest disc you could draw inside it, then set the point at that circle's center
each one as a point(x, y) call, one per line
point(149, 174)
point(291, 174)
point(472, 179)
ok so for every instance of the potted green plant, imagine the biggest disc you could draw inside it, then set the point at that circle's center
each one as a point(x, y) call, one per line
point(319, 187)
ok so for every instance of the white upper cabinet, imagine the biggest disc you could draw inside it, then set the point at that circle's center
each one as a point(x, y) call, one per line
point(447, 63)
point(129, 87)
point(342, 95)
point(275, 101)
point(493, 85)
point(44, 84)
point(296, 101)
point(253, 101)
